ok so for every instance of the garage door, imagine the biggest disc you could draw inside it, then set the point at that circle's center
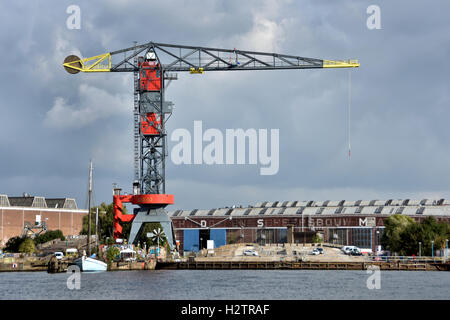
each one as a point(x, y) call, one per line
point(219, 236)
point(191, 240)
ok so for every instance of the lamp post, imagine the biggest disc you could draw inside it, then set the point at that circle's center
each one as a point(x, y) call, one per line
point(420, 249)
point(446, 247)
point(378, 241)
point(432, 248)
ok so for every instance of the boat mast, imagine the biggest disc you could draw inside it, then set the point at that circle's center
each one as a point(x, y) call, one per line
point(89, 210)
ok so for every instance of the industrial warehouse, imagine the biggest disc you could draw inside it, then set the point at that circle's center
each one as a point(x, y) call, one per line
point(32, 214)
point(359, 223)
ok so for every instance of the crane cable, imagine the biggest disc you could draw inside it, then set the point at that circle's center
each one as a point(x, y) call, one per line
point(349, 109)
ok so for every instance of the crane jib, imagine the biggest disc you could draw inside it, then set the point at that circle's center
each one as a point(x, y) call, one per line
point(178, 58)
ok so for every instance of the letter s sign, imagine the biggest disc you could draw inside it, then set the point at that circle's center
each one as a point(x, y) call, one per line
point(260, 223)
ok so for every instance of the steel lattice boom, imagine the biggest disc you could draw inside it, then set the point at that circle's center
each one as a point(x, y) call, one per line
point(178, 58)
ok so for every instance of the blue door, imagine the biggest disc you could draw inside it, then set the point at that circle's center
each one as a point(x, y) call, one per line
point(219, 236)
point(191, 240)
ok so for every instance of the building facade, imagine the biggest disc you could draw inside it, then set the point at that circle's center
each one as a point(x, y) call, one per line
point(359, 223)
point(19, 214)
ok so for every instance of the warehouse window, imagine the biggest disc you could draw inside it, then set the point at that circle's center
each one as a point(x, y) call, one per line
point(338, 210)
point(358, 203)
point(275, 204)
point(310, 203)
point(420, 210)
point(228, 212)
point(4, 202)
point(193, 212)
point(359, 209)
point(379, 209)
point(388, 203)
point(400, 210)
point(39, 202)
point(247, 212)
point(300, 210)
point(281, 211)
point(362, 237)
point(341, 203)
point(211, 212)
point(405, 202)
point(285, 204)
point(70, 204)
point(294, 204)
point(423, 202)
point(262, 211)
point(177, 213)
point(337, 236)
point(372, 203)
point(326, 203)
point(320, 210)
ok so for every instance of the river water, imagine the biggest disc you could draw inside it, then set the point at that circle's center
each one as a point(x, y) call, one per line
point(227, 284)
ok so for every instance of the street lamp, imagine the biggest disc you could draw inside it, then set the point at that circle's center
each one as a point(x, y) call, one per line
point(446, 247)
point(378, 240)
point(432, 248)
point(420, 249)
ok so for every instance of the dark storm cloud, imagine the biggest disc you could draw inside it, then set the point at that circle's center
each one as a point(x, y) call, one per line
point(52, 123)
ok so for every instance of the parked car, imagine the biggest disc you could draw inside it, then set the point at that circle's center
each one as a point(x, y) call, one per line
point(355, 252)
point(320, 250)
point(59, 255)
point(315, 252)
point(250, 252)
point(71, 252)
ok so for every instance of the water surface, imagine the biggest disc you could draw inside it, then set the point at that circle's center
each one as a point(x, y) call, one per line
point(227, 284)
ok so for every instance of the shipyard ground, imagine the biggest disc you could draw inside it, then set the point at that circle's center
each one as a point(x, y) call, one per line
point(279, 252)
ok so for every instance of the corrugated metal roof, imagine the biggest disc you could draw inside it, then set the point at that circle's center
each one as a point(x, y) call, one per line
point(21, 201)
point(38, 202)
point(55, 203)
point(360, 207)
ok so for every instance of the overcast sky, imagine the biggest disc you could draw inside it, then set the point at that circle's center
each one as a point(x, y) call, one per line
point(53, 123)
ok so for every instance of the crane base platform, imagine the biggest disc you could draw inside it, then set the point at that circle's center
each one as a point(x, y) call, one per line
point(146, 214)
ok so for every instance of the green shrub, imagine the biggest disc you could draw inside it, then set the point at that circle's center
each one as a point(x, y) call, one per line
point(27, 246)
point(49, 236)
point(112, 253)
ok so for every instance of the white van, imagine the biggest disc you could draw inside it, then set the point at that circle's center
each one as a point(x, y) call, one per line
point(348, 249)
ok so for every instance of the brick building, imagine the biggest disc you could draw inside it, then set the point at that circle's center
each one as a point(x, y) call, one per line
point(58, 213)
point(359, 223)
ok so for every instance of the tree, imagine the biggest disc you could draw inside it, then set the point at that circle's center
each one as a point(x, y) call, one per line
point(410, 238)
point(112, 253)
point(316, 238)
point(13, 244)
point(105, 221)
point(435, 231)
point(49, 236)
point(27, 246)
point(402, 235)
point(394, 226)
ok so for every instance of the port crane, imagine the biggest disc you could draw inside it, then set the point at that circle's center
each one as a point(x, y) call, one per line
point(154, 66)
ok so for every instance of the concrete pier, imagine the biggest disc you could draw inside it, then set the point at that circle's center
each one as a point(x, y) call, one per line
point(278, 265)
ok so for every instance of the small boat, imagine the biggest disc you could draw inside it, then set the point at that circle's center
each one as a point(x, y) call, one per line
point(87, 264)
point(90, 264)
